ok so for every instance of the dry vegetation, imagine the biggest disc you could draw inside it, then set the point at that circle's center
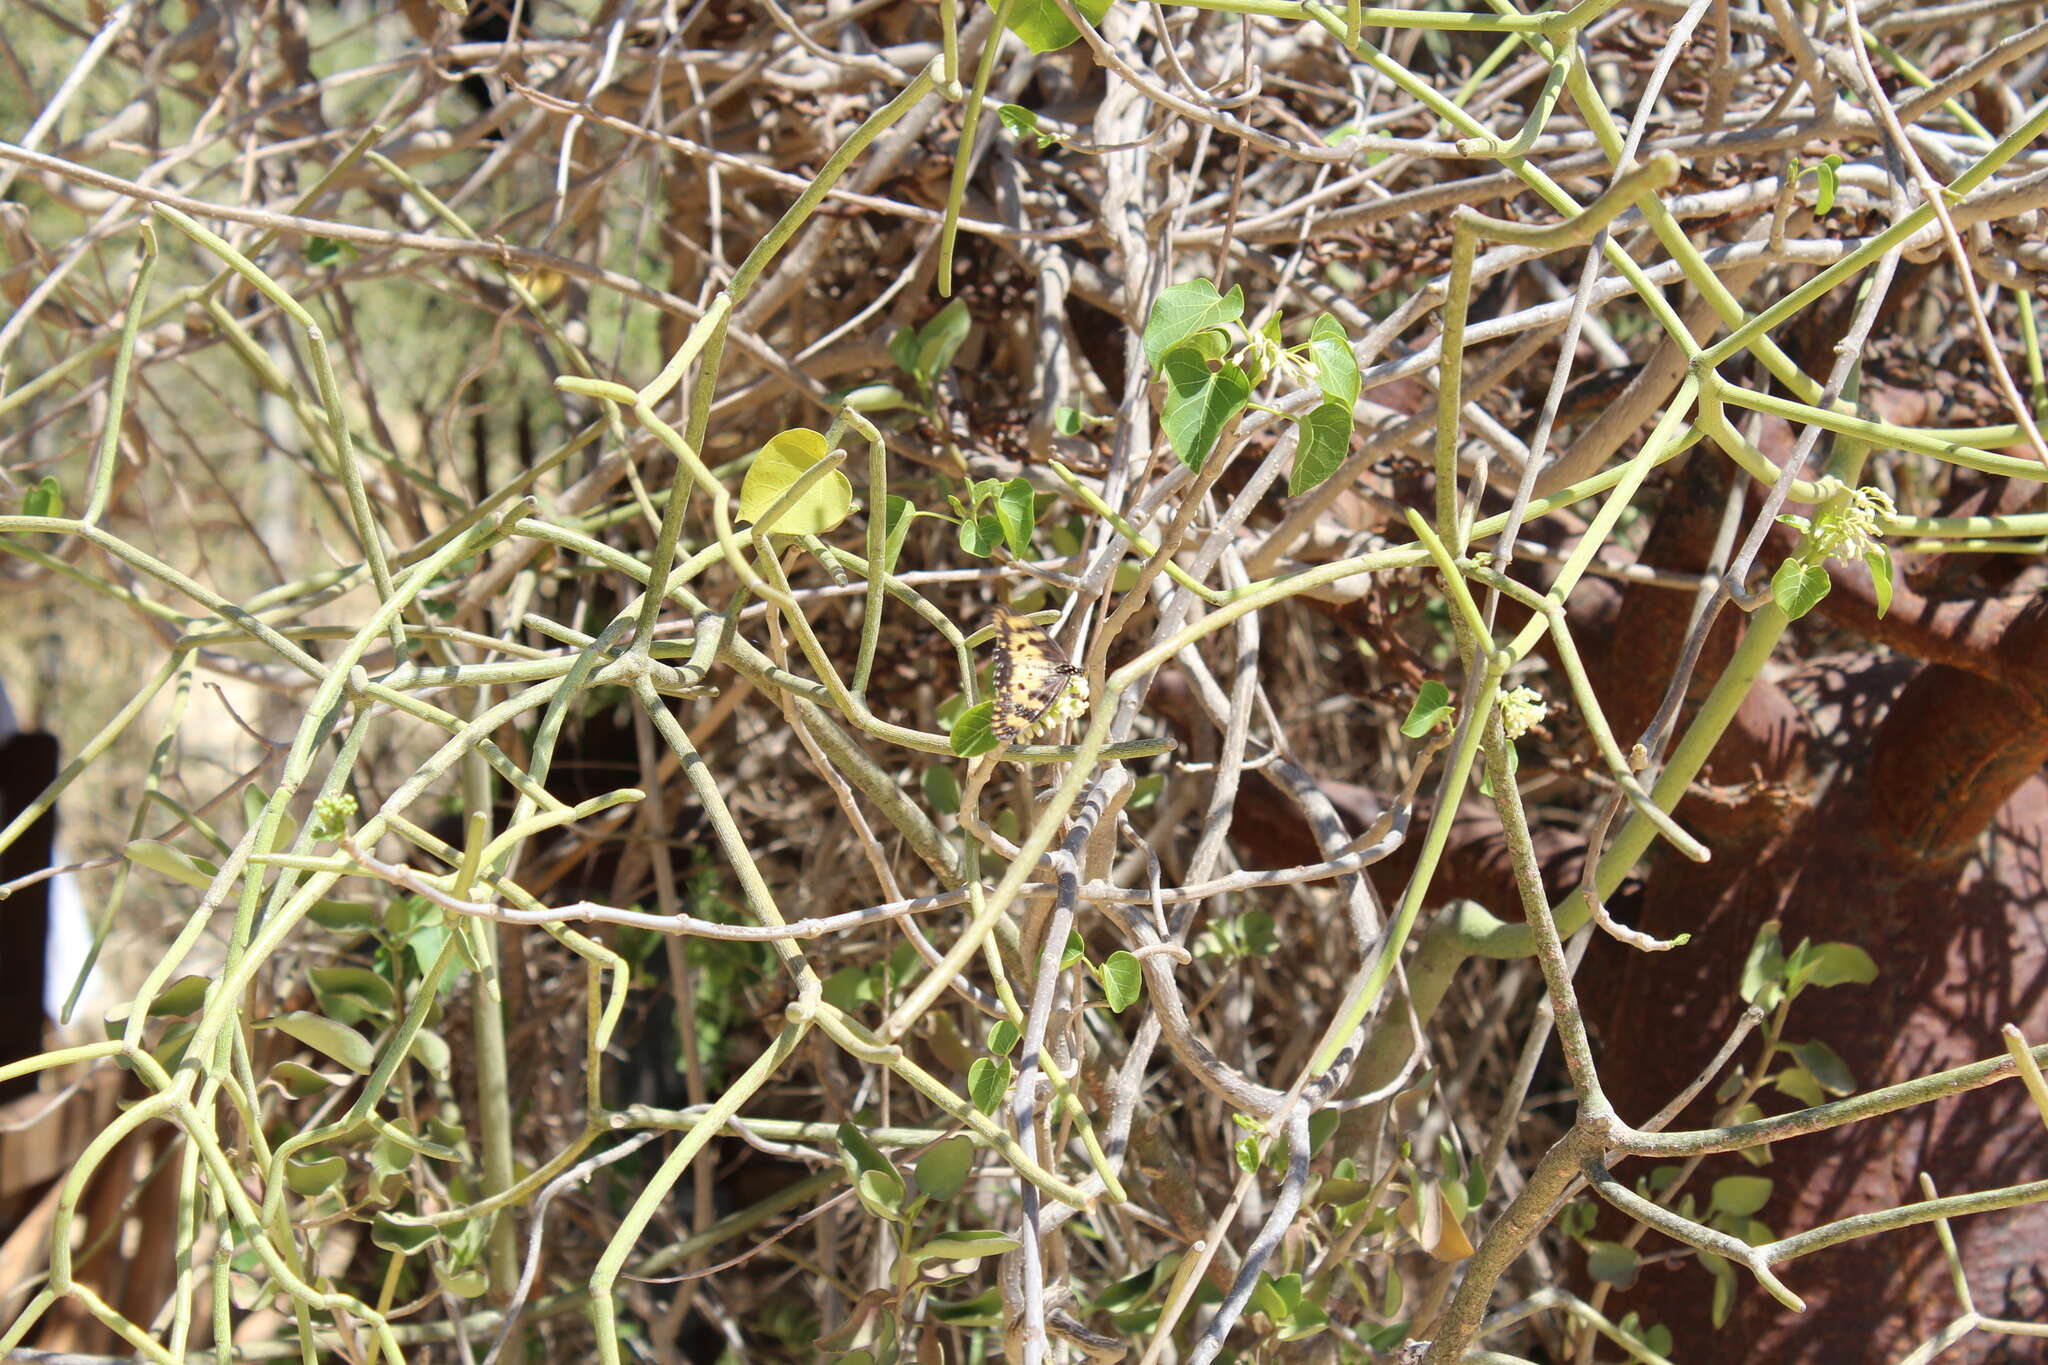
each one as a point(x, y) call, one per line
point(1480, 464)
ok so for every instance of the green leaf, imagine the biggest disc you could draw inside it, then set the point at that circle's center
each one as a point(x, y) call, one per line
point(1259, 938)
point(987, 1081)
point(1131, 1292)
point(327, 1037)
point(970, 1244)
point(1825, 200)
point(44, 499)
point(309, 1176)
point(1024, 124)
point(1739, 1196)
point(1075, 951)
point(1015, 512)
point(431, 1051)
point(1067, 421)
point(181, 997)
point(876, 1181)
point(1303, 1323)
point(849, 988)
point(1185, 309)
point(880, 1193)
point(1123, 980)
point(1003, 1037)
point(874, 398)
point(942, 1170)
point(1827, 1068)
point(897, 514)
point(1879, 560)
point(1432, 707)
point(174, 863)
point(1724, 1287)
point(351, 994)
point(399, 1237)
point(254, 800)
point(942, 789)
point(983, 1310)
point(939, 340)
point(903, 349)
point(1800, 1084)
point(343, 915)
point(1765, 966)
point(1475, 1186)
point(1324, 442)
point(974, 733)
point(1247, 1150)
point(423, 945)
point(1612, 1263)
point(389, 1154)
point(1835, 964)
point(1797, 587)
point(322, 251)
point(468, 1283)
point(300, 1081)
point(1336, 364)
point(1044, 29)
point(1385, 1339)
point(980, 535)
point(1199, 402)
point(777, 466)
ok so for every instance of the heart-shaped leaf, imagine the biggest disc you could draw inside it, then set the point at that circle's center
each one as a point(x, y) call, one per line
point(1797, 587)
point(1325, 439)
point(1432, 707)
point(1200, 401)
point(776, 467)
point(1336, 364)
point(1015, 504)
point(1044, 29)
point(974, 733)
point(1185, 309)
point(1123, 980)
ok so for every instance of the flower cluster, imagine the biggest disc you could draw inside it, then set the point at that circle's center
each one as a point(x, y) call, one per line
point(1071, 704)
point(1522, 709)
point(331, 815)
point(1850, 529)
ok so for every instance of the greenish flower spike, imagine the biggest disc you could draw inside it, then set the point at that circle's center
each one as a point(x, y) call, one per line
point(331, 816)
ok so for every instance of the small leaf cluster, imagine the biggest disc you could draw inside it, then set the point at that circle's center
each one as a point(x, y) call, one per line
point(44, 498)
point(365, 1000)
point(996, 512)
point(1846, 527)
point(1771, 980)
point(1210, 362)
point(925, 1212)
point(926, 352)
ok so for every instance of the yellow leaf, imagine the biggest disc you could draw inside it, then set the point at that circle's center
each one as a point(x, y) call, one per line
point(776, 468)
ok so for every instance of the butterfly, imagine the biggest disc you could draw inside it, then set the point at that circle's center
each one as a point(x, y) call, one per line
point(1031, 674)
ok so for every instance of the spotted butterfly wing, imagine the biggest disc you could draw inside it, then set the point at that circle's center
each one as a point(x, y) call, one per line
point(1031, 673)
